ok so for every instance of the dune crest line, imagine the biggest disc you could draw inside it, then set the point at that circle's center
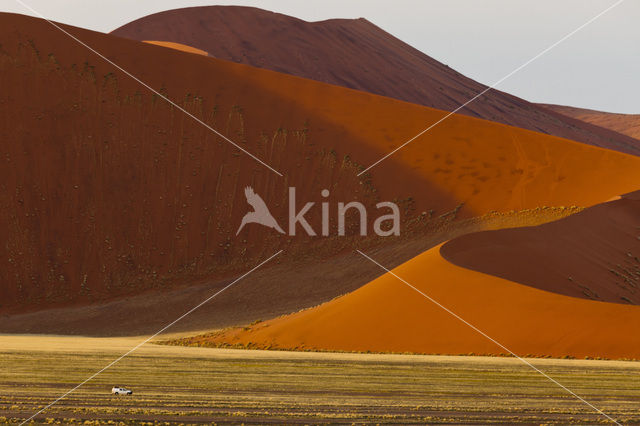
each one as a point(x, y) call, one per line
point(458, 317)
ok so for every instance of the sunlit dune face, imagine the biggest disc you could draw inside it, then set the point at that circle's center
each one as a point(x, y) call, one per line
point(388, 316)
point(178, 46)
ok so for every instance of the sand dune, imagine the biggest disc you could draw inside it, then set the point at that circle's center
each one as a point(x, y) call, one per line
point(266, 293)
point(177, 46)
point(109, 192)
point(355, 54)
point(594, 254)
point(627, 124)
point(388, 316)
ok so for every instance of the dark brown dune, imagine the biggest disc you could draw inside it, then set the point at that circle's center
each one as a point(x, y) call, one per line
point(107, 192)
point(359, 55)
point(627, 124)
point(594, 254)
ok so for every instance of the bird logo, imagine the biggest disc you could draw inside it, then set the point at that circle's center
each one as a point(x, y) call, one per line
point(260, 213)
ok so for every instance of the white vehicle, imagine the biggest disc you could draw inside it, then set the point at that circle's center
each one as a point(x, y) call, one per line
point(117, 390)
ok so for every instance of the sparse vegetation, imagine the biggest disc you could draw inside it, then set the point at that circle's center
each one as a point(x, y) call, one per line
point(194, 386)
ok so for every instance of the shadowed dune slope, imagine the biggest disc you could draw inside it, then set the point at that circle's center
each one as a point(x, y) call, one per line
point(177, 46)
point(627, 124)
point(355, 54)
point(266, 293)
point(593, 254)
point(388, 316)
point(106, 190)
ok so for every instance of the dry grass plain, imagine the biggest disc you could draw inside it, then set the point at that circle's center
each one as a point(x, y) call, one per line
point(184, 385)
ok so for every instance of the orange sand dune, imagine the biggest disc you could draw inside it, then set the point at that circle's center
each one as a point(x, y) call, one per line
point(466, 161)
point(593, 254)
point(387, 315)
point(178, 46)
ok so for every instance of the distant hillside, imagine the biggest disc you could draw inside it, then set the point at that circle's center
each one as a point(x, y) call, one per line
point(627, 124)
point(355, 54)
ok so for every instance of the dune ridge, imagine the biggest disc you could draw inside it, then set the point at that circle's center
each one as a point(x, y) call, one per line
point(388, 316)
point(593, 254)
point(357, 54)
point(627, 124)
point(177, 46)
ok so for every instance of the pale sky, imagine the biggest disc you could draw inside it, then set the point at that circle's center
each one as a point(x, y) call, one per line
point(597, 68)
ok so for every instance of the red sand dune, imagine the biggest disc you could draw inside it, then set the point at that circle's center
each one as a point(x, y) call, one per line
point(388, 316)
point(627, 124)
point(177, 46)
point(276, 289)
point(106, 190)
point(355, 54)
point(594, 254)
